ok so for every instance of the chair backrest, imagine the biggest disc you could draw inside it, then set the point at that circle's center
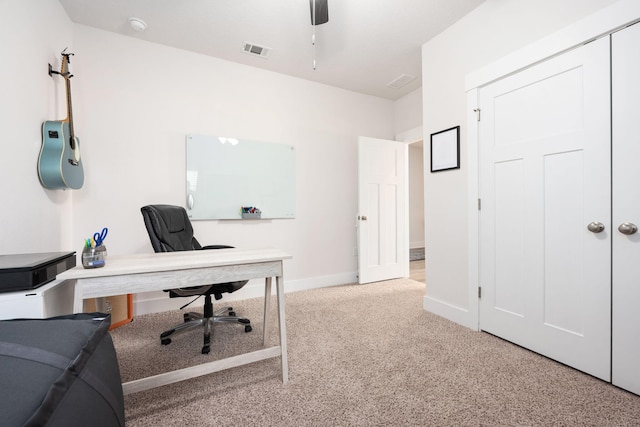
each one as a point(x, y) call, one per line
point(169, 228)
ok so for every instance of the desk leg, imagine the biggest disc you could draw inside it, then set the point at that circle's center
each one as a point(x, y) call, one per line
point(283, 328)
point(267, 308)
point(78, 301)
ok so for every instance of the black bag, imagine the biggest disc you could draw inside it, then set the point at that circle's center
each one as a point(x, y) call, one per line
point(61, 371)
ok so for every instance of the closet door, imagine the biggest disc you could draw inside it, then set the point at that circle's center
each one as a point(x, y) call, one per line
point(545, 186)
point(626, 208)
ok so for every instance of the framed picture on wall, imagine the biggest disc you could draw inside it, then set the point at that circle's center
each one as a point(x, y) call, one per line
point(445, 150)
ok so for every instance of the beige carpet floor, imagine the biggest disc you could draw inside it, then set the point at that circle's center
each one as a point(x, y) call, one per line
point(362, 355)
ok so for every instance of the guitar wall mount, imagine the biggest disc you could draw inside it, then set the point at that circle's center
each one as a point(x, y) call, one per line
point(52, 71)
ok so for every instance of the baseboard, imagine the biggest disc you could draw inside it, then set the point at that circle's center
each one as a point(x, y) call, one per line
point(156, 302)
point(456, 314)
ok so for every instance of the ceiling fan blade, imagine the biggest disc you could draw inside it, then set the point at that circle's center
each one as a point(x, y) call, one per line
point(321, 13)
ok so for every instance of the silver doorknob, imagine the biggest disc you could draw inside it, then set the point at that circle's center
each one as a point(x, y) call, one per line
point(628, 228)
point(595, 227)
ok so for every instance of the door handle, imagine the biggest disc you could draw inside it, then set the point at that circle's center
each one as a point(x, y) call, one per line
point(595, 227)
point(628, 228)
point(362, 218)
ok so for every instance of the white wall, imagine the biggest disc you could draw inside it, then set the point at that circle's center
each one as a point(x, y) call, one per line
point(134, 102)
point(33, 33)
point(408, 125)
point(488, 33)
point(408, 113)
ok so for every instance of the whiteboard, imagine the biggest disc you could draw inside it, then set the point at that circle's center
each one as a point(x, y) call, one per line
point(226, 174)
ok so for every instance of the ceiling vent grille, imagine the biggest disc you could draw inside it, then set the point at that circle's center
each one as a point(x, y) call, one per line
point(400, 81)
point(255, 50)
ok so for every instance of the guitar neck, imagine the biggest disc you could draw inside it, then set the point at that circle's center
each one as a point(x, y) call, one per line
point(69, 109)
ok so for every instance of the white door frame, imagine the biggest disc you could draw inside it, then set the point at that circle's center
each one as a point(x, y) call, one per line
point(602, 23)
point(409, 137)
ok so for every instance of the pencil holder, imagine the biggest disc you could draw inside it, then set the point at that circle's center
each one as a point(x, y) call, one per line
point(250, 212)
point(251, 215)
point(94, 257)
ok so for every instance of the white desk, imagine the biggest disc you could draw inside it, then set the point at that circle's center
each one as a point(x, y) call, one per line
point(158, 271)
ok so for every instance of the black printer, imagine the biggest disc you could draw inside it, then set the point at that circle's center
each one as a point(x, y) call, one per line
point(19, 272)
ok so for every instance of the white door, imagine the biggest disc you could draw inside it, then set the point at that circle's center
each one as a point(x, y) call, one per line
point(626, 208)
point(382, 248)
point(544, 176)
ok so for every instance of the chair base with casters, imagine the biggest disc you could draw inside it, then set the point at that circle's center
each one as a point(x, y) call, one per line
point(205, 320)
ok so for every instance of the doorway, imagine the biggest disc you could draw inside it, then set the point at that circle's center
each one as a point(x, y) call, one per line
point(416, 211)
point(388, 173)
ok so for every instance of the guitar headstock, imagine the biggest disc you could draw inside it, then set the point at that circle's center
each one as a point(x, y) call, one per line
point(64, 67)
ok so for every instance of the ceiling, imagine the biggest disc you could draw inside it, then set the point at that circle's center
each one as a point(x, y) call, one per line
point(365, 45)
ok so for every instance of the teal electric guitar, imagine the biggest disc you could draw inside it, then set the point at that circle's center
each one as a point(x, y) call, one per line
point(59, 163)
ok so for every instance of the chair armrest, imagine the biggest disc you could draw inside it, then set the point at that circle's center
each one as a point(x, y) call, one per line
point(217, 247)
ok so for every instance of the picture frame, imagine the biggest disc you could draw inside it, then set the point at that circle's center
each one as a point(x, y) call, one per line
point(445, 149)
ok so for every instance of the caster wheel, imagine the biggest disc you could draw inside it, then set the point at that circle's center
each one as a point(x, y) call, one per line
point(185, 316)
point(165, 341)
point(206, 349)
point(165, 334)
point(248, 328)
point(232, 313)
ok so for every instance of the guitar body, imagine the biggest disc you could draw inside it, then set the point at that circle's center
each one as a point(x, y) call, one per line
point(59, 162)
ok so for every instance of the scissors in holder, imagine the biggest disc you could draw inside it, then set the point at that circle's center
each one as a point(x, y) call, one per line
point(99, 237)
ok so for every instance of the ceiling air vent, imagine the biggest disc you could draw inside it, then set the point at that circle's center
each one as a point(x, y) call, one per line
point(254, 49)
point(401, 81)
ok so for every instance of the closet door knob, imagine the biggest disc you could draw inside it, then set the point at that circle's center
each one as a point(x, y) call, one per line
point(628, 228)
point(595, 227)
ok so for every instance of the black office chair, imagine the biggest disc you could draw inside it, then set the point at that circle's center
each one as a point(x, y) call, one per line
point(170, 230)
